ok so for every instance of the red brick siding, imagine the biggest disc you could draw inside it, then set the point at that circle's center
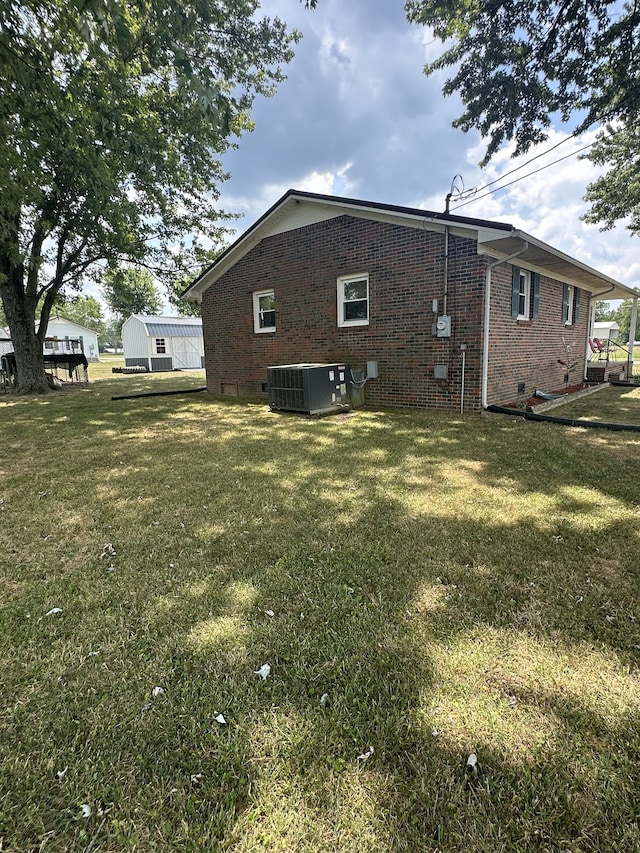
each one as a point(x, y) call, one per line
point(528, 351)
point(406, 273)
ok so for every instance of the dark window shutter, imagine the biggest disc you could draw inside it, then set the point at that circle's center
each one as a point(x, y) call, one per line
point(565, 303)
point(515, 291)
point(536, 295)
point(576, 306)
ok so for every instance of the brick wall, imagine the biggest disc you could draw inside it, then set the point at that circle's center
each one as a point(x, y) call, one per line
point(406, 273)
point(526, 352)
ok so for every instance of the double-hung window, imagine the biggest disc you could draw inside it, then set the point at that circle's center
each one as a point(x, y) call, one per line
point(161, 346)
point(570, 305)
point(264, 311)
point(353, 300)
point(525, 294)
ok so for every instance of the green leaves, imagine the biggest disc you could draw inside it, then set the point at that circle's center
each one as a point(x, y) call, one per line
point(516, 64)
point(616, 195)
point(113, 117)
point(130, 291)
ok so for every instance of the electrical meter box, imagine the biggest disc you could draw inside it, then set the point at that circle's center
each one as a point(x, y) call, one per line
point(313, 389)
point(443, 326)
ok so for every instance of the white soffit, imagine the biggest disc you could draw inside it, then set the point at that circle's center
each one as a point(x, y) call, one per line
point(542, 258)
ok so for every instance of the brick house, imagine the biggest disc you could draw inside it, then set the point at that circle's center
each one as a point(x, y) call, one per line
point(451, 312)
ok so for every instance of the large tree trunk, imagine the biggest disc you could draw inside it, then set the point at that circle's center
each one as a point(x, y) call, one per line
point(20, 312)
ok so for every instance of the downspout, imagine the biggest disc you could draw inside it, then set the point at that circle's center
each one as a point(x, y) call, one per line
point(446, 268)
point(487, 315)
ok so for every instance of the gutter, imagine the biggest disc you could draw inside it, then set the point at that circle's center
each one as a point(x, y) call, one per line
point(487, 316)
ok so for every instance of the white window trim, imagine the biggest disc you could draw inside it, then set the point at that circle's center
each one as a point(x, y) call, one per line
point(164, 345)
point(256, 311)
point(527, 295)
point(345, 279)
point(571, 299)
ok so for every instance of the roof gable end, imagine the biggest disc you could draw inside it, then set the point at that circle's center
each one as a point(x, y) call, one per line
point(298, 209)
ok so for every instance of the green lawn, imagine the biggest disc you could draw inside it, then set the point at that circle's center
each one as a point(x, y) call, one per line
point(609, 404)
point(446, 585)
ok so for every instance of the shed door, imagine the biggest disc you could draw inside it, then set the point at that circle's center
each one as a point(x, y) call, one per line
point(186, 354)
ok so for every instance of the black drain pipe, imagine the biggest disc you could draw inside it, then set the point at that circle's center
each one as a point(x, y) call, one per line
point(550, 419)
point(158, 393)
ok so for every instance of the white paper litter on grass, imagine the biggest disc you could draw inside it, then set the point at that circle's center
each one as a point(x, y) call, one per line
point(108, 550)
point(369, 752)
point(157, 691)
point(86, 810)
point(54, 611)
point(264, 671)
point(196, 780)
point(324, 699)
point(61, 773)
point(270, 613)
point(220, 719)
point(472, 761)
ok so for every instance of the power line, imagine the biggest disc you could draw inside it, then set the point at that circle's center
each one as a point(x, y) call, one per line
point(534, 172)
point(575, 133)
point(531, 160)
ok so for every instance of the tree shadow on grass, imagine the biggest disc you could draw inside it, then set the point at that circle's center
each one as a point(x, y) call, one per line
point(411, 612)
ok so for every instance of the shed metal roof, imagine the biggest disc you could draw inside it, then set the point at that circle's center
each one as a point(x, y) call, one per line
point(170, 327)
point(172, 330)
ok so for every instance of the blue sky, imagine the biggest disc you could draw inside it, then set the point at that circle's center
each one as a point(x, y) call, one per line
point(358, 117)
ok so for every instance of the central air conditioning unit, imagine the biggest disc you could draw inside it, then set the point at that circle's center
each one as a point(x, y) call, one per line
point(313, 389)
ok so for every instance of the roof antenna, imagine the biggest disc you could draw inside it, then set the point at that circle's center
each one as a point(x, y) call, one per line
point(454, 189)
point(457, 190)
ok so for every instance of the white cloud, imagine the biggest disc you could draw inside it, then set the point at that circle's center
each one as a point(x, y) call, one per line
point(358, 117)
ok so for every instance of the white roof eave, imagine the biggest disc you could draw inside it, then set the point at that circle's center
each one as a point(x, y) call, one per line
point(299, 211)
point(547, 260)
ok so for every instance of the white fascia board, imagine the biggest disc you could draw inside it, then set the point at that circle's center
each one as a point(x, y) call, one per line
point(545, 259)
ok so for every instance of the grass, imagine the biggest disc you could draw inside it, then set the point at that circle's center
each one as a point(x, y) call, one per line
point(609, 404)
point(621, 354)
point(453, 585)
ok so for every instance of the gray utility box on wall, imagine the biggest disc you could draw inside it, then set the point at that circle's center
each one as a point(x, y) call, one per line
point(313, 389)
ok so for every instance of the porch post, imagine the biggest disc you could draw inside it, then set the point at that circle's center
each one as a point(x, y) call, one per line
point(632, 336)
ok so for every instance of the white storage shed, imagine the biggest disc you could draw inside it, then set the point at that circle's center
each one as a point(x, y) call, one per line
point(65, 337)
point(163, 343)
point(608, 330)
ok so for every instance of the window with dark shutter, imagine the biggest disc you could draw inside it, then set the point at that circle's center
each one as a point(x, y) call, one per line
point(565, 304)
point(515, 291)
point(520, 294)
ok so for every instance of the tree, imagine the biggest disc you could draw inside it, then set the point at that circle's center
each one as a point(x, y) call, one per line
point(175, 289)
point(84, 310)
point(515, 65)
point(604, 312)
point(616, 194)
point(622, 316)
point(113, 116)
point(130, 291)
point(112, 336)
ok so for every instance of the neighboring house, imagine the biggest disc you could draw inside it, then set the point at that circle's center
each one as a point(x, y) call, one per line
point(445, 311)
point(65, 337)
point(163, 343)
